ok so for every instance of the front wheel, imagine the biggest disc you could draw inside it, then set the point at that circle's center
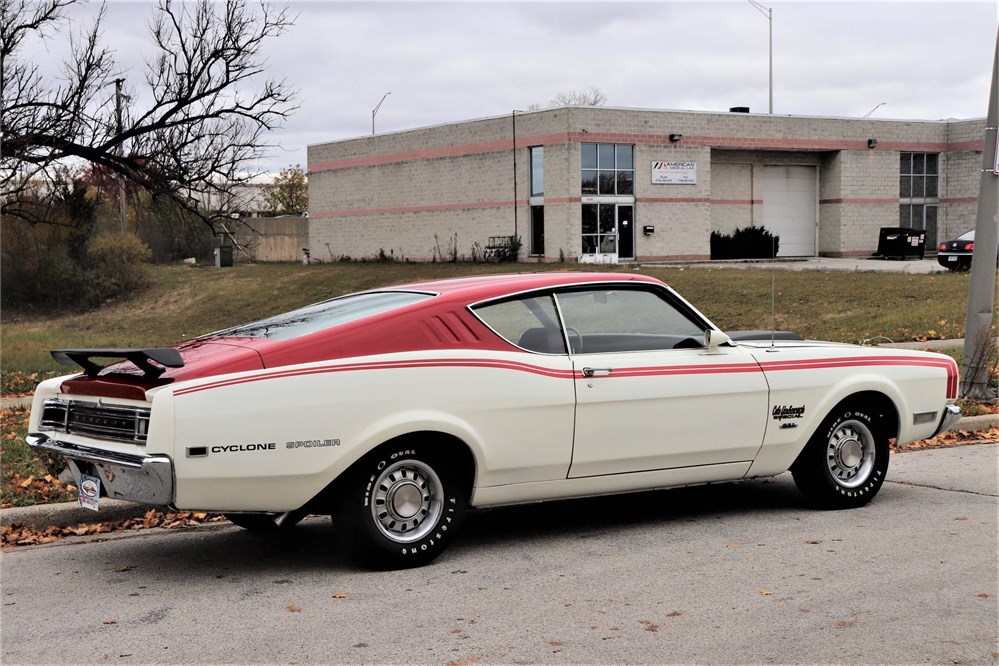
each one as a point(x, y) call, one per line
point(844, 464)
point(400, 508)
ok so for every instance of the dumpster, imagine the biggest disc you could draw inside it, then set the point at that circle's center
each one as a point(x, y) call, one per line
point(901, 243)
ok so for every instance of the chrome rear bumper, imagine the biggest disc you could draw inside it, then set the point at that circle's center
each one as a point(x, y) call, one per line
point(144, 479)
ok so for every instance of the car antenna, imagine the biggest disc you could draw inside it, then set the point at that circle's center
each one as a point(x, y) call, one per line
point(773, 293)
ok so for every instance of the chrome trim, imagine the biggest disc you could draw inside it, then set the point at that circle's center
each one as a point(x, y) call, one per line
point(148, 479)
point(952, 414)
point(120, 423)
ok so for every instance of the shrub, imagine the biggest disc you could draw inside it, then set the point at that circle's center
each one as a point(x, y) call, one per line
point(745, 243)
point(116, 266)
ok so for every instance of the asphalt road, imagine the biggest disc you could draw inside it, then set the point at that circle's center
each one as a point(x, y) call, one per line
point(740, 573)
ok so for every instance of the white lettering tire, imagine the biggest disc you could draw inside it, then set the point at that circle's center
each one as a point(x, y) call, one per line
point(844, 464)
point(400, 509)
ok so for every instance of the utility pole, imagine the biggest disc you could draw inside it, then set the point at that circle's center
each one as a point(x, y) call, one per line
point(979, 337)
point(121, 151)
point(513, 117)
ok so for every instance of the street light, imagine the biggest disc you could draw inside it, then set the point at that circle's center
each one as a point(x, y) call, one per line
point(375, 110)
point(769, 13)
point(869, 113)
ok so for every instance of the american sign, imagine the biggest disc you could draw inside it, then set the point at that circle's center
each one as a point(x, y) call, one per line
point(674, 173)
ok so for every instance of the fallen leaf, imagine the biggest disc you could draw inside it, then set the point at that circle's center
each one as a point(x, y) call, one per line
point(340, 595)
point(110, 622)
point(766, 593)
point(675, 613)
point(294, 609)
point(813, 542)
point(846, 624)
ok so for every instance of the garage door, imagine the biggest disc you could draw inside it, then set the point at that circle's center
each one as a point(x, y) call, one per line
point(789, 201)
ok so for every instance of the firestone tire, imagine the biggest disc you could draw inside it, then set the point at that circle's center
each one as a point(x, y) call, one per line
point(844, 464)
point(264, 522)
point(400, 509)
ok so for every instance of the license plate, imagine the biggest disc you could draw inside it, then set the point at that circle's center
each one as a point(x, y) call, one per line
point(951, 258)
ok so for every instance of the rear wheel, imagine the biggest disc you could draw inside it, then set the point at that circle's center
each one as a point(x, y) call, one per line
point(400, 508)
point(844, 464)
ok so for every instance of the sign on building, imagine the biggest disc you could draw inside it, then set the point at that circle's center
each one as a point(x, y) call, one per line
point(674, 173)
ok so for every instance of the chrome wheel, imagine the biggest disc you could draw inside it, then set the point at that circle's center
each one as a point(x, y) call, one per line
point(407, 501)
point(850, 453)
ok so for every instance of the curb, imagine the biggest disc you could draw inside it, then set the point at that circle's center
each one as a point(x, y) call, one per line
point(67, 514)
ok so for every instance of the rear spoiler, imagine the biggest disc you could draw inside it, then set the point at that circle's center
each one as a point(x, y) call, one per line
point(167, 357)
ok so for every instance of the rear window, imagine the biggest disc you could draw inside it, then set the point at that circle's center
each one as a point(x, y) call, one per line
point(323, 315)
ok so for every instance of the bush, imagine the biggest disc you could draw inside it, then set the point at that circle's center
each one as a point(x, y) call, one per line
point(745, 243)
point(115, 266)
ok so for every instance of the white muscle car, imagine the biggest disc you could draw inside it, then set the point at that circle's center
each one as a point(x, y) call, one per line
point(395, 409)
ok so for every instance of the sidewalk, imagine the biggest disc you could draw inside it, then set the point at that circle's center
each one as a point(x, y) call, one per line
point(827, 264)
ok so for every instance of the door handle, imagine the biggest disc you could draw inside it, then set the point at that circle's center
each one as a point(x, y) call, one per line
point(597, 372)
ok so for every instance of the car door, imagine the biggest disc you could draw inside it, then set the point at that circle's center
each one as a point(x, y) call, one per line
point(649, 395)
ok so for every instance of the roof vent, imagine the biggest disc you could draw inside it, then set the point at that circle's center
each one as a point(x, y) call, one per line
point(739, 109)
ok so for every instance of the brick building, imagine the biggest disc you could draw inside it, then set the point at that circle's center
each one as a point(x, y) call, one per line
point(603, 184)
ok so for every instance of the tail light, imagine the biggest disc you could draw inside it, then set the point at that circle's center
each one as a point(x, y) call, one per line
point(970, 247)
point(942, 247)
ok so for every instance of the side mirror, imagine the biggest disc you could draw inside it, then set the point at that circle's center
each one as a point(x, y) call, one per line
point(713, 338)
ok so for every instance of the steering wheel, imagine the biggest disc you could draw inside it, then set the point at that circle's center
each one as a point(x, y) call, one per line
point(574, 333)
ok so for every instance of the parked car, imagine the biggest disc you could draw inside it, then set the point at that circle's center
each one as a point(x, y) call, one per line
point(395, 409)
point(956, 254)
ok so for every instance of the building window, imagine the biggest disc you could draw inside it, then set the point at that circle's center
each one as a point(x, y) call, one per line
point(538, 171)
point(608, 169)
point(919, 193)
point(537, 246)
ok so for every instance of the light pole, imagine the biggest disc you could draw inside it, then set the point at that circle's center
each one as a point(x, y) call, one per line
point(869, 113)
point(769, 13)
point(375, 110)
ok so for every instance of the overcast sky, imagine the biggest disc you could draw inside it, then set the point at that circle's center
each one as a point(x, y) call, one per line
point(447, 61)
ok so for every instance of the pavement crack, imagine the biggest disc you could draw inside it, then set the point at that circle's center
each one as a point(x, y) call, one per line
point(950, 490)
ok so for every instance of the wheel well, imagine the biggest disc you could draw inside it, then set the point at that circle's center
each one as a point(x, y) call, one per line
point(881, 406)
point(449, 447)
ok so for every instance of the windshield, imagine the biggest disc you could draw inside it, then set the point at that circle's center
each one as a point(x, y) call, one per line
point(323, 315)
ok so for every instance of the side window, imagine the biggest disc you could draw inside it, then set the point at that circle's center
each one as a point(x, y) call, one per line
point(529, 323)
point(620, 320)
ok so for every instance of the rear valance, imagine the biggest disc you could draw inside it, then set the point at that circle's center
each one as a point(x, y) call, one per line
point(167, 357)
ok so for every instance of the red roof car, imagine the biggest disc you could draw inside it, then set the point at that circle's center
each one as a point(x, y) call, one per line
point(395, 409)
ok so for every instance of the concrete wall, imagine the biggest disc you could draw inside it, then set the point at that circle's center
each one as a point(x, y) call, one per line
point(273, 238)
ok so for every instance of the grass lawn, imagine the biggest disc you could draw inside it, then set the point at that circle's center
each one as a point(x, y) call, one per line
point(184, 302)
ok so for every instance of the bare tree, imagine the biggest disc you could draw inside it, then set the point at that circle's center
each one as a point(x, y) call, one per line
point(195, 140)
point(592, 96)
